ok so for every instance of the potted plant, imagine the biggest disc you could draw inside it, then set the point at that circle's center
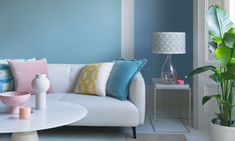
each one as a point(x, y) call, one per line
point(222, 46)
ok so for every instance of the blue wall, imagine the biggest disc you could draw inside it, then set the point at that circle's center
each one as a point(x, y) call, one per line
point(158, 16)
point(84, 31)
point(63, 31)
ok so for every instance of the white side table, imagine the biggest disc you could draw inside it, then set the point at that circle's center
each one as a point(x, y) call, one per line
point(159, 85)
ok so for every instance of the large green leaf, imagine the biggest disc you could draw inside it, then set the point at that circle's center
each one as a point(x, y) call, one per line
point(203, 69)
point(227, 76)
point(229, 41)
point(229, 38)
point(218, 22)
point(205, 99)
point(231, 69)
point(230, 73)
point(232, 61)
point(223, 55)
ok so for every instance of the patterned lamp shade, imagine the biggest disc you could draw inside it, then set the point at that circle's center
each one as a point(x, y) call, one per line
point(169, 42)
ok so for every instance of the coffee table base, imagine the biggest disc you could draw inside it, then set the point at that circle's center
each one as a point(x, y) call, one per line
point(25, 136)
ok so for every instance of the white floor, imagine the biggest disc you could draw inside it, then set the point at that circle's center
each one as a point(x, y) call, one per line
point(165, 124)
point(111, 134)
point(196, 135)
point(103, 134)
point(168, 126)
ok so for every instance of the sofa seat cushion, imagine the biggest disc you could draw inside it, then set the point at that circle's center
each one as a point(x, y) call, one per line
point(50, 97)
point(104, 111)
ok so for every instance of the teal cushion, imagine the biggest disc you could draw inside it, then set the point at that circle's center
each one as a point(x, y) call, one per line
point(121, 76)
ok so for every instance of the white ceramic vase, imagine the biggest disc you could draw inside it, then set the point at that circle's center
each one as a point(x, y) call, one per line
point(222, 133)
point(40, 85)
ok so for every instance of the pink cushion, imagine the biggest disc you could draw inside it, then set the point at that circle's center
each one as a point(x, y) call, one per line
point(24, 72)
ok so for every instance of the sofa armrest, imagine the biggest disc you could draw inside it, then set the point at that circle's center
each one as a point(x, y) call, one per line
point(137, 95)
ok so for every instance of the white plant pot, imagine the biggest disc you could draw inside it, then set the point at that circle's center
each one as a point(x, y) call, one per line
point(222, 133)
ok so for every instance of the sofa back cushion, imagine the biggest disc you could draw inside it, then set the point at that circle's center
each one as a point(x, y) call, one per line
point(63, 77)
point(24, 72)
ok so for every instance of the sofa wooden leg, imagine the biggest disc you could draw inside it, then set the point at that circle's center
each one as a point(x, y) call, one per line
point(134, 132)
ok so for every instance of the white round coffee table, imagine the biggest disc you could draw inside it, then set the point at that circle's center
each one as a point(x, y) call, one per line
point(58, 113)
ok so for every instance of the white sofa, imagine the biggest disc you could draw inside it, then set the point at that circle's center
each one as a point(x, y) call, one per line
point(102, 111)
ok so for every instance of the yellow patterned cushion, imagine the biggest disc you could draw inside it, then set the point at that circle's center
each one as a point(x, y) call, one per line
point(93, 79)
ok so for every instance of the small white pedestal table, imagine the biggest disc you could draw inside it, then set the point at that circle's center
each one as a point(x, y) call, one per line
point(58, 113)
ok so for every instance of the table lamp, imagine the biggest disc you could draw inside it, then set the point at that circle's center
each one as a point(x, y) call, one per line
point(168, 43)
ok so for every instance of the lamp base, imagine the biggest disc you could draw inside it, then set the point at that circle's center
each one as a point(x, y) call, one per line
point(168, 74)
point(166, 78)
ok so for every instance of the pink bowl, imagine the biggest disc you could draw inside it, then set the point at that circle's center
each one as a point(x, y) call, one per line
point(14, 100)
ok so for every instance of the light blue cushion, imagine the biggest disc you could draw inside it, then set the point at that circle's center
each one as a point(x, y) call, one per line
point(121, 76)
point(6, 77)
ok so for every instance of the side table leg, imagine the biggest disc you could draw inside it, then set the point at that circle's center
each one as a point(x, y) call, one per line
point(190, 108)
point(155, 110)
point(25, 136)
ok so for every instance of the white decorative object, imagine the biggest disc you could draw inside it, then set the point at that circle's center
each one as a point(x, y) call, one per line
point(40, 85)
point(222, 133)
point(168, 43)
